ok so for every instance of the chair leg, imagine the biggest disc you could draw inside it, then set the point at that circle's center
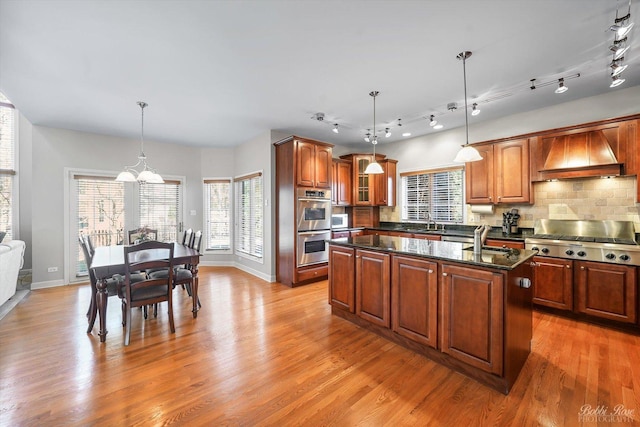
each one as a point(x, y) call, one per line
point(170, 305)
point(124, 314)
point(92, 313)
point(155, 310)
point(144, 309)
point(127, 334)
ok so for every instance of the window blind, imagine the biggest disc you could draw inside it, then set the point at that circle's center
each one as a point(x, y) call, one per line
point(217, 214)
point(249, 215)
point(7, 165)
point(100, 214)
point(436, 195)
point(160, 207)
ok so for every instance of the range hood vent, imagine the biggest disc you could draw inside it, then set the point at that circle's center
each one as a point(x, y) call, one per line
point(582, 155)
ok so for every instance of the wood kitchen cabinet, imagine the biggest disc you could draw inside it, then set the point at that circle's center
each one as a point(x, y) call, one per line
point(414, 296)
point(314, 162)
point(341, 190)
point(365, 186)
point(504, 243)
point(364, 216)
point(607, 291)
point(342, 278)
point(373, 270)
point(502, 176)
point(472, 309)
point(553, 282)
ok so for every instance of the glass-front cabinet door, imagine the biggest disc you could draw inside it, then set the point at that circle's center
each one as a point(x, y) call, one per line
point(363, 191)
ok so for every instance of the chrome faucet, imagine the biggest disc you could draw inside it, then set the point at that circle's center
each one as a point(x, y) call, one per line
point(430, 221)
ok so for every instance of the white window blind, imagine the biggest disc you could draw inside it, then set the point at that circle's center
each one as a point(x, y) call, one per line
point(159, 208)
point(217, 195)
point(100, 207)
point(7, 166)
point(249, 215)
point(435, 195)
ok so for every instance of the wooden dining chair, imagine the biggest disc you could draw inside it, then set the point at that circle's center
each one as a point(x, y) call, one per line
point(187, 237)
point(113, 284)
point(152, 290)
point(182, 275)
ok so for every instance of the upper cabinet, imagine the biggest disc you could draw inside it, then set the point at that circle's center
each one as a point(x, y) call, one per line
point(502, 176)
point(376, 189)
point(341, 190)
point(314, 160)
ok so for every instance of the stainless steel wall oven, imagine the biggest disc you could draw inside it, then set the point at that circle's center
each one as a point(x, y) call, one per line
point(313, 210)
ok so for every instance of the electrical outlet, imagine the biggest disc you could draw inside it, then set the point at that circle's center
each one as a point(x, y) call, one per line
point(52, 269)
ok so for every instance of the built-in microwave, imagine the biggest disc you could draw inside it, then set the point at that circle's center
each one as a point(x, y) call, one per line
point(339, 221)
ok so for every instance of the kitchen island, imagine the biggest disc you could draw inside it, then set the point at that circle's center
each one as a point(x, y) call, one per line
point(469, 312)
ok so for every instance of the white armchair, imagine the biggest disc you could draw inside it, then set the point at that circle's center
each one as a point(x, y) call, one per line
point(11, 260)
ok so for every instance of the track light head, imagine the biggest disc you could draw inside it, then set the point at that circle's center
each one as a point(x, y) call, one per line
point(335, 128)
point(561, 87)
point(432, 121)
point(616, 81)
point(475, 111)
point(387, 133)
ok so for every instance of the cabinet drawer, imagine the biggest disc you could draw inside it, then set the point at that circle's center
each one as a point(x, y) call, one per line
point(312, 272)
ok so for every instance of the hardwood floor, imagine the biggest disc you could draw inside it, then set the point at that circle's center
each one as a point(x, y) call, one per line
point(264, 354)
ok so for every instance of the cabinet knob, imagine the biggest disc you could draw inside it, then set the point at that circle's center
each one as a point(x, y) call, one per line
point(582, 267)
point(430, 271)
point(445, 274)
point(568, 266)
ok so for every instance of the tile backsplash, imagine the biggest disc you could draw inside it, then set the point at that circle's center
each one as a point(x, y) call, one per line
point(594, 198)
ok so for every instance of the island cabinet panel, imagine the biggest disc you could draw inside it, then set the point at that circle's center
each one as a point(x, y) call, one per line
point(373, 270)
point(342, 278)
point(414, 299)
point(553, 282)
point(472, 309)
point(606, 291)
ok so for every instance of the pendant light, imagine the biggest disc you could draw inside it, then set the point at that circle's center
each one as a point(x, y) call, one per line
point(147, 174)
point(374, 167)
point(467, 153)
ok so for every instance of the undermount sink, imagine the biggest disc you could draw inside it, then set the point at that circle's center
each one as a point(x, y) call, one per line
point(495, 250)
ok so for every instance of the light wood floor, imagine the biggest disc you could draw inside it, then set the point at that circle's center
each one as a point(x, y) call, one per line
point(265, 354)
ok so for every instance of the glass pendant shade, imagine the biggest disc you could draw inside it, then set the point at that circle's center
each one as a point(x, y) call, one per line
point(374, 168)
point(126, 176)
point(467, 154)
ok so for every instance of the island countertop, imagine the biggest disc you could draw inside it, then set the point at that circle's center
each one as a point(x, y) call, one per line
point(491, 257)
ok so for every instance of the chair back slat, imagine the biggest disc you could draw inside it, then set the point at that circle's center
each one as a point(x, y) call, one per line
point(197, 240)
point(143, 233)
point(187, 237)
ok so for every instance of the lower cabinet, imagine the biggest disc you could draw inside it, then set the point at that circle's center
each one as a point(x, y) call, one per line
point(372, 287)
point(342, 278)
point(414, 296)
point(607, 291)
point(553, 282)
point(472, 316)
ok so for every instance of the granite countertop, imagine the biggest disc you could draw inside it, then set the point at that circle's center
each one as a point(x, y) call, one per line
point(497, 258)
point(452, 230)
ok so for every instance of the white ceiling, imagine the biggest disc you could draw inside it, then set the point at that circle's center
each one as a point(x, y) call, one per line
point(218, 73)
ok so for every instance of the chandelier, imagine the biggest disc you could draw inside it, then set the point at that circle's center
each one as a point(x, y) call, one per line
point(146, 174)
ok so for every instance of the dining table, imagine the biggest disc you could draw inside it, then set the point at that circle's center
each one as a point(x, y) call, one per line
point(109, 260)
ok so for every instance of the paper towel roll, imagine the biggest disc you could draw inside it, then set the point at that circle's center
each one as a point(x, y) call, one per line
point(482, 209)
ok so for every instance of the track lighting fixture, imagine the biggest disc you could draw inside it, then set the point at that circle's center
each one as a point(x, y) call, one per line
point(622, 25)
point(374, 167)
point(619, 48)
point(468, 153)
point(367, 136)
point(335, 128)
point(561, 87)
point(616, 67)
point(616, 81)
point(432, 121)
point(387, 133)
point(475, 111)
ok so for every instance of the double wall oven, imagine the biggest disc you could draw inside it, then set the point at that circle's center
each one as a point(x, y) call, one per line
point(313, 229)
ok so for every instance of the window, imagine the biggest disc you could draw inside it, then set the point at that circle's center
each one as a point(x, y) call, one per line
point(435, 195)
point(160, 208)
point(249, 215)
point(217, 214)
point(7, 166)
point(99, 213)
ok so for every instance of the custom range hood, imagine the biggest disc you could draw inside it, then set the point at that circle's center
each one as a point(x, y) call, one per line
point(581, 155)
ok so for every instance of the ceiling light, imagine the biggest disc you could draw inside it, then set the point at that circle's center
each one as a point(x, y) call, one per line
point(561, 87)
point(387, 133)
point(367, 137)
point(621, 30)
point(616, 68)
point(432, 121)
point(467, 153)
point(406, 134)
point(147, 174)
point(619, 48)
point(533, 84)
point(438, 126)
point(617, 81)
point(335, 128)
point(475, 110)
point(374, 167)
